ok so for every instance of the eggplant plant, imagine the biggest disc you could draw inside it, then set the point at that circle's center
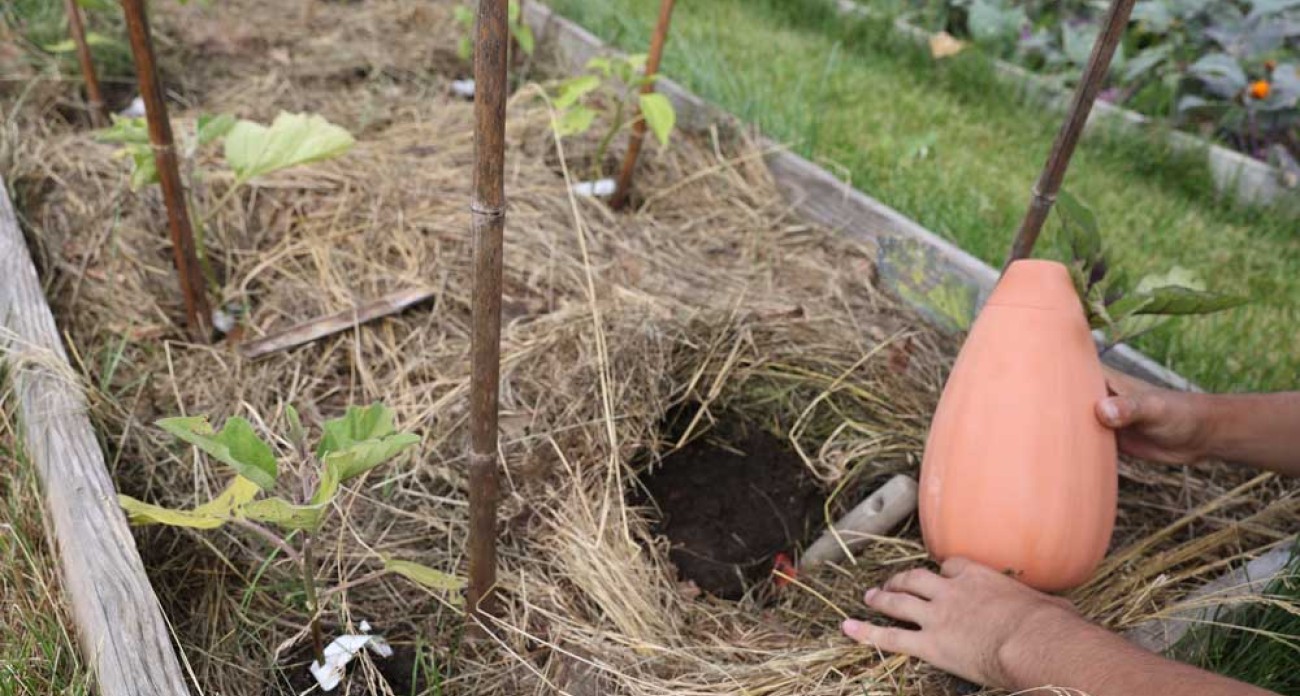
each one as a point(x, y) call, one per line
point(1120, 309)
point(610, 81)
point(250, 150)
point(311, 479)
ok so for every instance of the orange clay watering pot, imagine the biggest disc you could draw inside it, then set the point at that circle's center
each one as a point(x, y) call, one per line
point(1018, 474)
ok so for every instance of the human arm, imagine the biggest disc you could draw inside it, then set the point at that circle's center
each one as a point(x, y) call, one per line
point(988, 628)
point(1258, 430)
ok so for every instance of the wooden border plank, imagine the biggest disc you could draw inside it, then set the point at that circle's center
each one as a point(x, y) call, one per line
point(824, 198)
point(124, 638)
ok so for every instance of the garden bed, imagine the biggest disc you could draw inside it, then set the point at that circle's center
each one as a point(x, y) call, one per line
point(714, 293)
point(1249, 179)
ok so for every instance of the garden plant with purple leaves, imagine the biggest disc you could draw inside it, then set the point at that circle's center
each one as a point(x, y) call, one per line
point(1227, 69)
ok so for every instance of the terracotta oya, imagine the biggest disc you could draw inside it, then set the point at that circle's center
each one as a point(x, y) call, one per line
point(1018, 474)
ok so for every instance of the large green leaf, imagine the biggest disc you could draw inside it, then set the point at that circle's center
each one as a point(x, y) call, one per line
point(209, 515)
point(291, 140)
point(659, 115)
point(282, 513)
point(237, 445)
point(424, 575)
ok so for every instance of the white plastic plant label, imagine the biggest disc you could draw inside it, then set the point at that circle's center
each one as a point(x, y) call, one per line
point(339, 653)
point(599, 188)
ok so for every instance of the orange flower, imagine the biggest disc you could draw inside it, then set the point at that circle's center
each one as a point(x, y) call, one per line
point(1260, 89)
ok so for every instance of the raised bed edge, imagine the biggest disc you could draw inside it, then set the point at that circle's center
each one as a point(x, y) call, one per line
point(827, 200)
point(1248, 179)
point(124, 637)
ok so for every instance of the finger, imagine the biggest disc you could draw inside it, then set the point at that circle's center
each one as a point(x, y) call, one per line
point(898, 605)
point(954, 567)
point(1119, 383)
point(918, 581)
point(897, 640)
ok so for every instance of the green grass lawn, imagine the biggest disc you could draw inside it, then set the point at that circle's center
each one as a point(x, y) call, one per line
point(950, 147)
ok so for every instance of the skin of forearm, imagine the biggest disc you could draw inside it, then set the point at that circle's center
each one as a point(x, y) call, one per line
point(1068, 652)
point(1259, 430)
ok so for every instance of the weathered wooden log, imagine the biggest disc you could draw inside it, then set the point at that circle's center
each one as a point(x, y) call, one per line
point(123, 636)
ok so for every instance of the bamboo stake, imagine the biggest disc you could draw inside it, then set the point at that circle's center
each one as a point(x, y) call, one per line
point(1049, 182)
point(94, 97)
point(657, 41)
point(197, 314)
point(488, 215)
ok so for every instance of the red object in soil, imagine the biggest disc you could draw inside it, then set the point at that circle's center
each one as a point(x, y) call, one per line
point(783, 570)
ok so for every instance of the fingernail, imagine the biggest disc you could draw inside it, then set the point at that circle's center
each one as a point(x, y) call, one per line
point(870, 593)
point(1110, 411)
point(850, 626)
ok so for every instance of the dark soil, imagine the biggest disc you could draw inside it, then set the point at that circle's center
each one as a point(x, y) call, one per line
point(292, 675)
point(730, 500)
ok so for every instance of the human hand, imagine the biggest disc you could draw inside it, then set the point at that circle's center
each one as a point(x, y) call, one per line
point(1153, 423)
point(974, 622)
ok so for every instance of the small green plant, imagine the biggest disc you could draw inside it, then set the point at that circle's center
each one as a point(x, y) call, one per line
point(611, 79)
point(519, 30)
point(250, 150)
point(348, 447)
point(1120, 309)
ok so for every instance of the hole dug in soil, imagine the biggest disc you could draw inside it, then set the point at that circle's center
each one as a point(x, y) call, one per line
point(728, 500)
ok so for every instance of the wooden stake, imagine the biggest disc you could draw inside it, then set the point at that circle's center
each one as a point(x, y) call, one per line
point(657, 41)
point(197, 314)
point(94, 97)
point(1049, 182)
point(488, 215)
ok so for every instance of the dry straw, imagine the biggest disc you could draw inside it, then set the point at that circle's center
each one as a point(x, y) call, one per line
point(716, 294)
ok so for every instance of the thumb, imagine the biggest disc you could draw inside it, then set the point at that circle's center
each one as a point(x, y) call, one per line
point(1117, 412)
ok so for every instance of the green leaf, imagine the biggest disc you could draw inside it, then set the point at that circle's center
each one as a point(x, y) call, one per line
point(361, 457)
point(209, 515)
point(361, 440)
point(210, 128)
point(291, 140)
point(357, 423)
point(1176, 300)
point(237, 446)
point(297, 434)
point(282, 513)
point(512, 11)
point(465, 48)
point(571, 90)
point(125, 130)
point(574, 121)
point(524, 35)
point(424, 575)
point(659, 114)
point(1083, 234)
point(1177, 276)
point(68, 45)
point(464, 16)
point(602, 65)
point(144, 167)
point(98, 5)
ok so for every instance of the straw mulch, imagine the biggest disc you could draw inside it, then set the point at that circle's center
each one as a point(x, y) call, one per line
point(713, 291)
